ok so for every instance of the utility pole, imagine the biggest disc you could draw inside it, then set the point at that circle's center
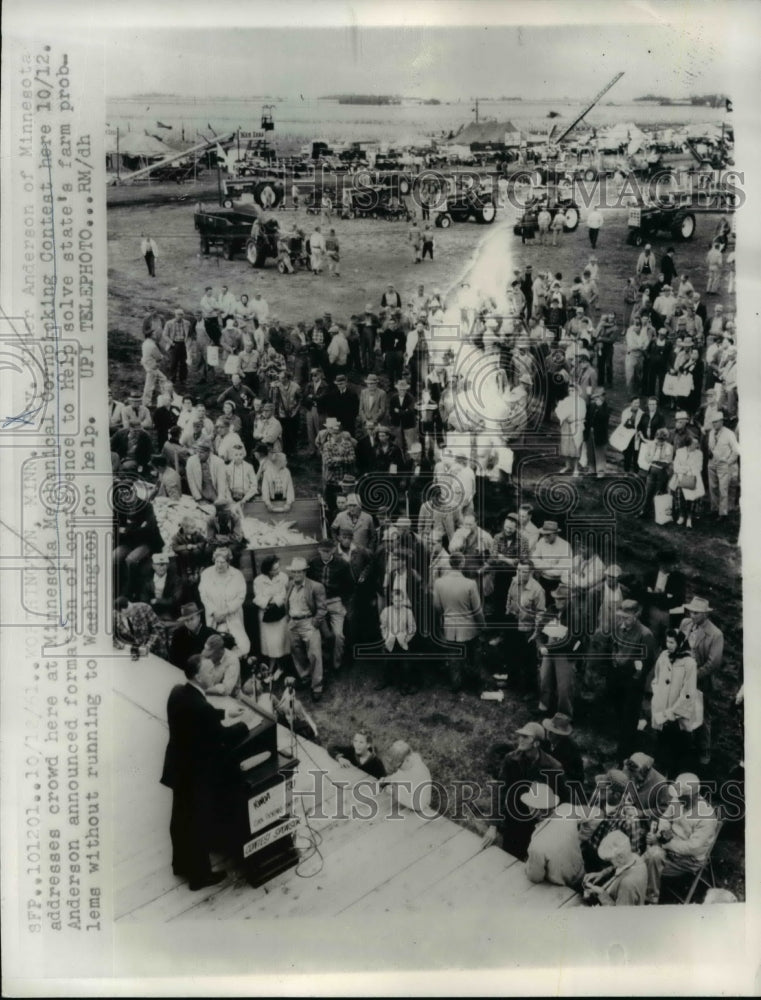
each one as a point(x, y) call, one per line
point(476, 109)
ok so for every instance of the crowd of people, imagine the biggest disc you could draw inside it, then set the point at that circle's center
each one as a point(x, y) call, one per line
point(434, 567)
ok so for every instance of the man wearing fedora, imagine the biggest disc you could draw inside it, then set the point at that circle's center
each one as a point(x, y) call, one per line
point(552, 557)
point(554, 852)
point(190, 636)
point(706, 641)
point(563, 747)
point(373, 404)
point(306, 608)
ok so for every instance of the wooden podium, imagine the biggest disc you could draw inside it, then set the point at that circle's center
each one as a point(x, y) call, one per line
point(261, 826)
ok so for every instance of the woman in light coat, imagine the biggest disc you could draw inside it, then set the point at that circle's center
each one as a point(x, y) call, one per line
point(222, 589)
point(688, 467)
point(571, 413)
point(675, 705)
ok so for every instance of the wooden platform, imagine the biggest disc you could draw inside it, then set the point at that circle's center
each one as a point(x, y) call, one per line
point(363, 866)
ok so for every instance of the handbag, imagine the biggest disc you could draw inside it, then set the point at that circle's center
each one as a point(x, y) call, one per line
point(686, 481)
point(621, 437)
point(645, 456)
point(662, 504)
point(212, 356)
point(273, 613)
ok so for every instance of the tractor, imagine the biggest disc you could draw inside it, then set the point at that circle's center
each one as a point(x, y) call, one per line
point(667, 216)
point(245, 230)
point(556, 200)
point(474, 202)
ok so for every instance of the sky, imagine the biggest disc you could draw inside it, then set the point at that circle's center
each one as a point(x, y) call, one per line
point(445, 63)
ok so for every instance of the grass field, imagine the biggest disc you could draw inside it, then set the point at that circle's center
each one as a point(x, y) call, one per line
point(454, 736)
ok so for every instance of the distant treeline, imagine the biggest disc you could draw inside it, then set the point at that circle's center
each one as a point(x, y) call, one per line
point(700, 100)
point(362, 98)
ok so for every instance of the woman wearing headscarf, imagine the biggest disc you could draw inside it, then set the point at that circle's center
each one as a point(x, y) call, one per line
point(675, 702)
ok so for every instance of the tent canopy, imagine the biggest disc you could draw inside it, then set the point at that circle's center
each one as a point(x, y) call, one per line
point(488, 133)
point(137, 144)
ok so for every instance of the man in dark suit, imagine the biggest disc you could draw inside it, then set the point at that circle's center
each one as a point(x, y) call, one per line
point(652, 421)
point(666, 590)
point(343, 403)
point(197, 767)
point(190, 636)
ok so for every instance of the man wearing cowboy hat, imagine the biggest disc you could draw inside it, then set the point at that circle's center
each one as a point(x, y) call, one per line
point(723, 462)
point(337, 460)
point(527, 763)
point(685, 836)
point(562, 746)
point(554, 852)
point(706, 641)
point(552, 557)
point(306, 608)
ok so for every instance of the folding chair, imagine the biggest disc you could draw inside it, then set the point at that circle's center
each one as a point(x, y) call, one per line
point(674, 888)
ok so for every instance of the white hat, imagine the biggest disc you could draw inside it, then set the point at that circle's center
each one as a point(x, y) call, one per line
point(297, 563)
point(612, 843)
point(539, 796)
point(353, 498)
